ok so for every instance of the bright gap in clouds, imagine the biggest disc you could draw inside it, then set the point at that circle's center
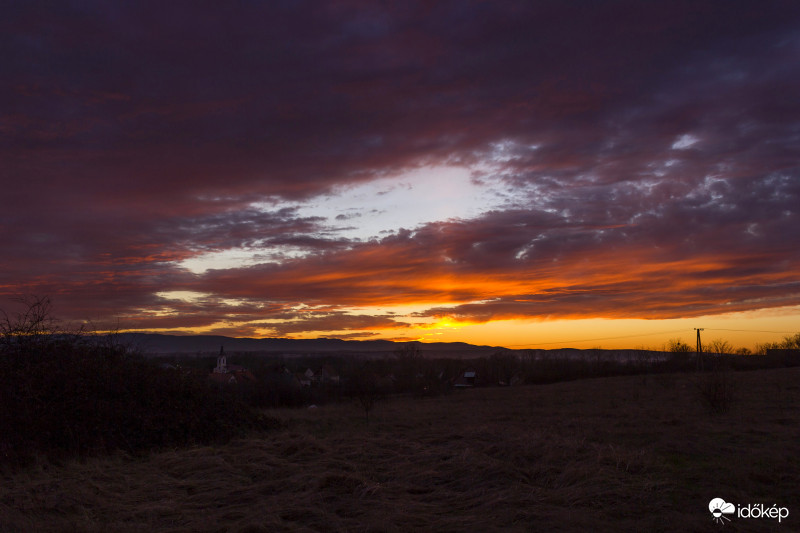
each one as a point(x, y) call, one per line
point(409, 200)
point(373, 210)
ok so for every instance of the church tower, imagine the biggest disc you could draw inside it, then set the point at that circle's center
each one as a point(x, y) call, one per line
point(222, 362)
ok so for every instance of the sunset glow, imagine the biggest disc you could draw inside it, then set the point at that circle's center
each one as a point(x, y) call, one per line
point(510, 174)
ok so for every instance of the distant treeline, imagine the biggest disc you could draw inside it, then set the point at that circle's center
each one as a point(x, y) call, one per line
point(303, 380)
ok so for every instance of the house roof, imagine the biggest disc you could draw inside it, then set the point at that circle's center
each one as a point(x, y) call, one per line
point(467, 378)
point(330, 371)
point(239, 376)
point(223, 379)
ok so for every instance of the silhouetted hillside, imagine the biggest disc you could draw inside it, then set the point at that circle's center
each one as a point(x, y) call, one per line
point(150, 343)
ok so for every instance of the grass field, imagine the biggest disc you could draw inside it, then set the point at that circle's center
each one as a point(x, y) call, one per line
point(640, 453)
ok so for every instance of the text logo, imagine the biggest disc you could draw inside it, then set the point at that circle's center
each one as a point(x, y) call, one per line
point(719, 508)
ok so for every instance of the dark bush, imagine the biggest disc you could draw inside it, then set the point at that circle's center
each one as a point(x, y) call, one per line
point(717, 389)
point(74, 395)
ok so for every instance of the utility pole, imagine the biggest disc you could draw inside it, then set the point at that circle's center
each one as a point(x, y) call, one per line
point(699, 349)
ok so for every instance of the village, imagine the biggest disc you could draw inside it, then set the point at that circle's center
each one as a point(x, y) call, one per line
point(310, 379)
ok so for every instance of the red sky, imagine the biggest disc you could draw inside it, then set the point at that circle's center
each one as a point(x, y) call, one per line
point(510, 173)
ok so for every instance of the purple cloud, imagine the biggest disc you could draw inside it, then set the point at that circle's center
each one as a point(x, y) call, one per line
point(660, 135)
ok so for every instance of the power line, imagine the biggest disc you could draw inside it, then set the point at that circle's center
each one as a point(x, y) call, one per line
point(751, 331)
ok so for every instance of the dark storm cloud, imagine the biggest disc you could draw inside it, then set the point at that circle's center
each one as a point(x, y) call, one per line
point(137, 135)
point(184, 101)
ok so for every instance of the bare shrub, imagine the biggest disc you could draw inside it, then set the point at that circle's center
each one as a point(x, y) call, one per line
point(365, 387)
point(33, 320)
point(408, 367)
point(717, 390)
point(789, 342)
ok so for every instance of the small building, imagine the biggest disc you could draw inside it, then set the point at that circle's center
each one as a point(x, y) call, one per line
point(328, 375)
point(304, 379)
point(467, 378)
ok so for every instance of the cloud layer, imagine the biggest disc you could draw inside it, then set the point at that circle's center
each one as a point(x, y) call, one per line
point(642, 159)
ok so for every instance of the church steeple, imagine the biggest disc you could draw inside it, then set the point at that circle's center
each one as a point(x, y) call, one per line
point(222, 362)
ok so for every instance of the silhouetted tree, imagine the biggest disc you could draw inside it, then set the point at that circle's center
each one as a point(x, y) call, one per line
point(719, 346)
point(788, 343)
point(791, 343)
point(678, 346)
point(364, 386)
point(32, 325)
point(502, 367)
point(408, 367)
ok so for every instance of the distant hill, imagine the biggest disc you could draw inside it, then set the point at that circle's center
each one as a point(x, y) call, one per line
point(157, 344)
point(151, 343)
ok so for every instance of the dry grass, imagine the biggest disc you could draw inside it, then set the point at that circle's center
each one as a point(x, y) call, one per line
point(614, 454)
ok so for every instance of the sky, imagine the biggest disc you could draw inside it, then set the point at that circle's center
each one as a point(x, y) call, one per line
point(540, 174)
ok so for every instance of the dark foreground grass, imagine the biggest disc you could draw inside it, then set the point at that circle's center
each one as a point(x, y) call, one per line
point(642, 453)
